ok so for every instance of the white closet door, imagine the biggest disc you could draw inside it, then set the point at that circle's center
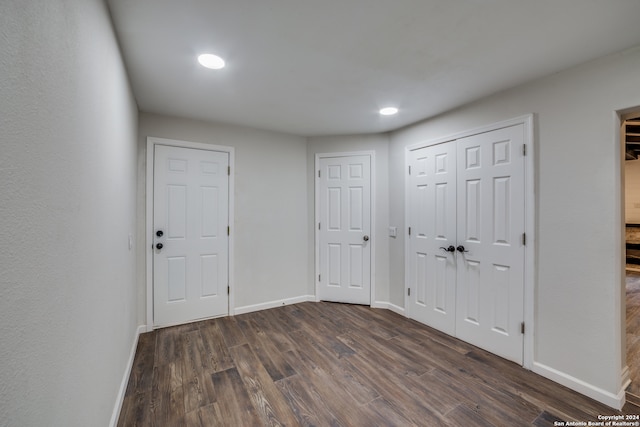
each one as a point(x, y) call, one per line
point(432, 263)
point(345, 229)
point(490, 281)
point(469, 194)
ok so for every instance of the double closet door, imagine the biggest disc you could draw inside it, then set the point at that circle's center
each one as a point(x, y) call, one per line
point(466, 239)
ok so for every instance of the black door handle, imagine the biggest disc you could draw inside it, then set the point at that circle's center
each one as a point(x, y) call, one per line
point(449, 249)
point(158, 246)
point(461, 249)
point(159, 233)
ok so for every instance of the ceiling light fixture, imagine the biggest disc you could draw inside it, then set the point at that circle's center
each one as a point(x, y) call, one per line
point(388, 111)
point(211, 61)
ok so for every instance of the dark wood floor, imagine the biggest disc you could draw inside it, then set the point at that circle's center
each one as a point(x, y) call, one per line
point(633, 332)
point(324, 364)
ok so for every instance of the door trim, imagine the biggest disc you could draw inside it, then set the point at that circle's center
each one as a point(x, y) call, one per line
point(151, 143)
point(529, 221)
point(372, 158)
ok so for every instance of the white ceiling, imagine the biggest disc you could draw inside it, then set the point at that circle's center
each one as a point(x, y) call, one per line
point(325, 67)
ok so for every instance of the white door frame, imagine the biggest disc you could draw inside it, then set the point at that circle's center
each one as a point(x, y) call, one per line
point(372, 241)
point(151, 143)
point(529, 220)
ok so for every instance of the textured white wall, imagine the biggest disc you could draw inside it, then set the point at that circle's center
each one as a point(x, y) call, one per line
point(339, 144)
point(579, 292)
point(270, 205)
point(67, 205)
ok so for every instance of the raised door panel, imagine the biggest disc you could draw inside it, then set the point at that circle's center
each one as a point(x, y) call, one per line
point(334, 265)
point(176, 212)
point(176, 271)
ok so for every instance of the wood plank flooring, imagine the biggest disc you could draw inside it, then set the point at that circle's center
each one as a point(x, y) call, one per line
point(326, 364)
point(633, 332)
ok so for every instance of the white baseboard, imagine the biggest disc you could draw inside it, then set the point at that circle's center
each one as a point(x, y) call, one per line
point(615, 401)
point(308, 298)
point(125, 378)
point(388, 306)
point(274, 304)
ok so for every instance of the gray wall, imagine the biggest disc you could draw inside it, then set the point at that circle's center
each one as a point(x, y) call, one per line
point(68, 311)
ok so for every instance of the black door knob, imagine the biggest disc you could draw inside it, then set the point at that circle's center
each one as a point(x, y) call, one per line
point(159, 233)
point(158, 245)
point(461, 249)
point(451, 248)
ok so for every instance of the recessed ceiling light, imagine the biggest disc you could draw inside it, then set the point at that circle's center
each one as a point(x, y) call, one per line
point(388, 111)
point(211, 61)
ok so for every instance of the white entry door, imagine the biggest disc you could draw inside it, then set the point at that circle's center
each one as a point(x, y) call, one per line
point(190, 220)
point(432, 272)
point(345, 229)
point(466, 249)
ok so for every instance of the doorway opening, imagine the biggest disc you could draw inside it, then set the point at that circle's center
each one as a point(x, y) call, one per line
point(630, 135)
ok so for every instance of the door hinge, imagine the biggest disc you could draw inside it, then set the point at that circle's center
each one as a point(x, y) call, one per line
point(409, 169)
point(319, 280)
point(228, 231)
point(319, 226)
point(228, 290)
point(524, 239)
point(524, 149)
point(522, 327)
point(318, 174)
point(409, 291)
point(229, 170)
point(409, 231)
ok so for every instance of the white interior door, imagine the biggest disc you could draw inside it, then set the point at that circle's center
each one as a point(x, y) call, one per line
point(345, 229)
point(469, 193)
point(190, 220)
point(432, 259)
point(490, 227)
